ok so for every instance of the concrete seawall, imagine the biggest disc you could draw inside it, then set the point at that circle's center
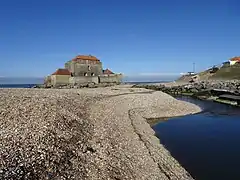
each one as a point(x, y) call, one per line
point(88, 134)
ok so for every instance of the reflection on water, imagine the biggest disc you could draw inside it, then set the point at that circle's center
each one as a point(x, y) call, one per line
point(212, 108)
point(206, 144)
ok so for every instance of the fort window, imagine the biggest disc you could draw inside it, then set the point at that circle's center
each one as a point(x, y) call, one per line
point(85, 74)
point(89, 68)
point(92, 74)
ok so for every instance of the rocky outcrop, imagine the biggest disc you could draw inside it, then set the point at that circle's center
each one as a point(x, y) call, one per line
point(197, 88)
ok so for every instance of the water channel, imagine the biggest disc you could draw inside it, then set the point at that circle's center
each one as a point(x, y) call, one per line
point(206, 144)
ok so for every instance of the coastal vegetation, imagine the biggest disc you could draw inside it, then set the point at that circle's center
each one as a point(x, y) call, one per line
point(227, 73)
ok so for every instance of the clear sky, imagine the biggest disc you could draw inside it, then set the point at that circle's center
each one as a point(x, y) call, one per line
point(129, 36)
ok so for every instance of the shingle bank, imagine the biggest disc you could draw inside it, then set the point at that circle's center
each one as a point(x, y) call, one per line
point(86, 134)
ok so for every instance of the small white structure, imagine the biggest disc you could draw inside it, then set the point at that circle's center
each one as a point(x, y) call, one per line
point(191, 73)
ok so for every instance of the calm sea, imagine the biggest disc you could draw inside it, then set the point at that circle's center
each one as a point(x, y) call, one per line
point(17, 85)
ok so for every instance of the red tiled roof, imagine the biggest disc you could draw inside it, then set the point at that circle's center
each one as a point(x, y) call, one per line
point(237, 58)
point(62, 72)
point(107, 71)
point(83, 57)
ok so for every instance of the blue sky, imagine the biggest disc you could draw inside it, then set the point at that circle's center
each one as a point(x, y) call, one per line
point(133, 37)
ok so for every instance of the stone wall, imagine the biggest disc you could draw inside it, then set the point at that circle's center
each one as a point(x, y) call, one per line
point(47, 80)
point(82, 80)
point(88, 69)
point(115, 78)
point(59, 80)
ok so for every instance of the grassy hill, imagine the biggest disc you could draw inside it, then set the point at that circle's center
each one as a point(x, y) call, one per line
point(223, 73)
point(228, 72)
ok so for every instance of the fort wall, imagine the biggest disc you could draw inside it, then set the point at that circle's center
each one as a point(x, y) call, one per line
point(113, 78)
point(59, 80)
point(81, 69)
point(83, 79)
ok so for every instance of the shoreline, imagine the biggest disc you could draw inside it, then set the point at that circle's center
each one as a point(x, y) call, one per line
point(160, 164)
point(155, 121)
point(105, 129)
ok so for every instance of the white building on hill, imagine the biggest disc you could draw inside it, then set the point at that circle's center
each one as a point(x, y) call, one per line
point(234, 60)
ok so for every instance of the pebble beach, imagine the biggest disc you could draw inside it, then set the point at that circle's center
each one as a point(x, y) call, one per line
point(87, 134)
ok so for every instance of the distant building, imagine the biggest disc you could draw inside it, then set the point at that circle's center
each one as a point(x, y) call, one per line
point(191, 73)
point(107, 72)
point(61, 76)
point(82, 69)
point(234, 60)
point(226, 64)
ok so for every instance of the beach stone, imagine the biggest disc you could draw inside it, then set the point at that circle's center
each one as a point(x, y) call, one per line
point(86, 134)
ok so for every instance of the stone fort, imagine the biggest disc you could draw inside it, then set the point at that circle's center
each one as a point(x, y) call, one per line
point(82, 70)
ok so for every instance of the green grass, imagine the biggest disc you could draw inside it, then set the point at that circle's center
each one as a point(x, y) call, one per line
point(232, 72)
